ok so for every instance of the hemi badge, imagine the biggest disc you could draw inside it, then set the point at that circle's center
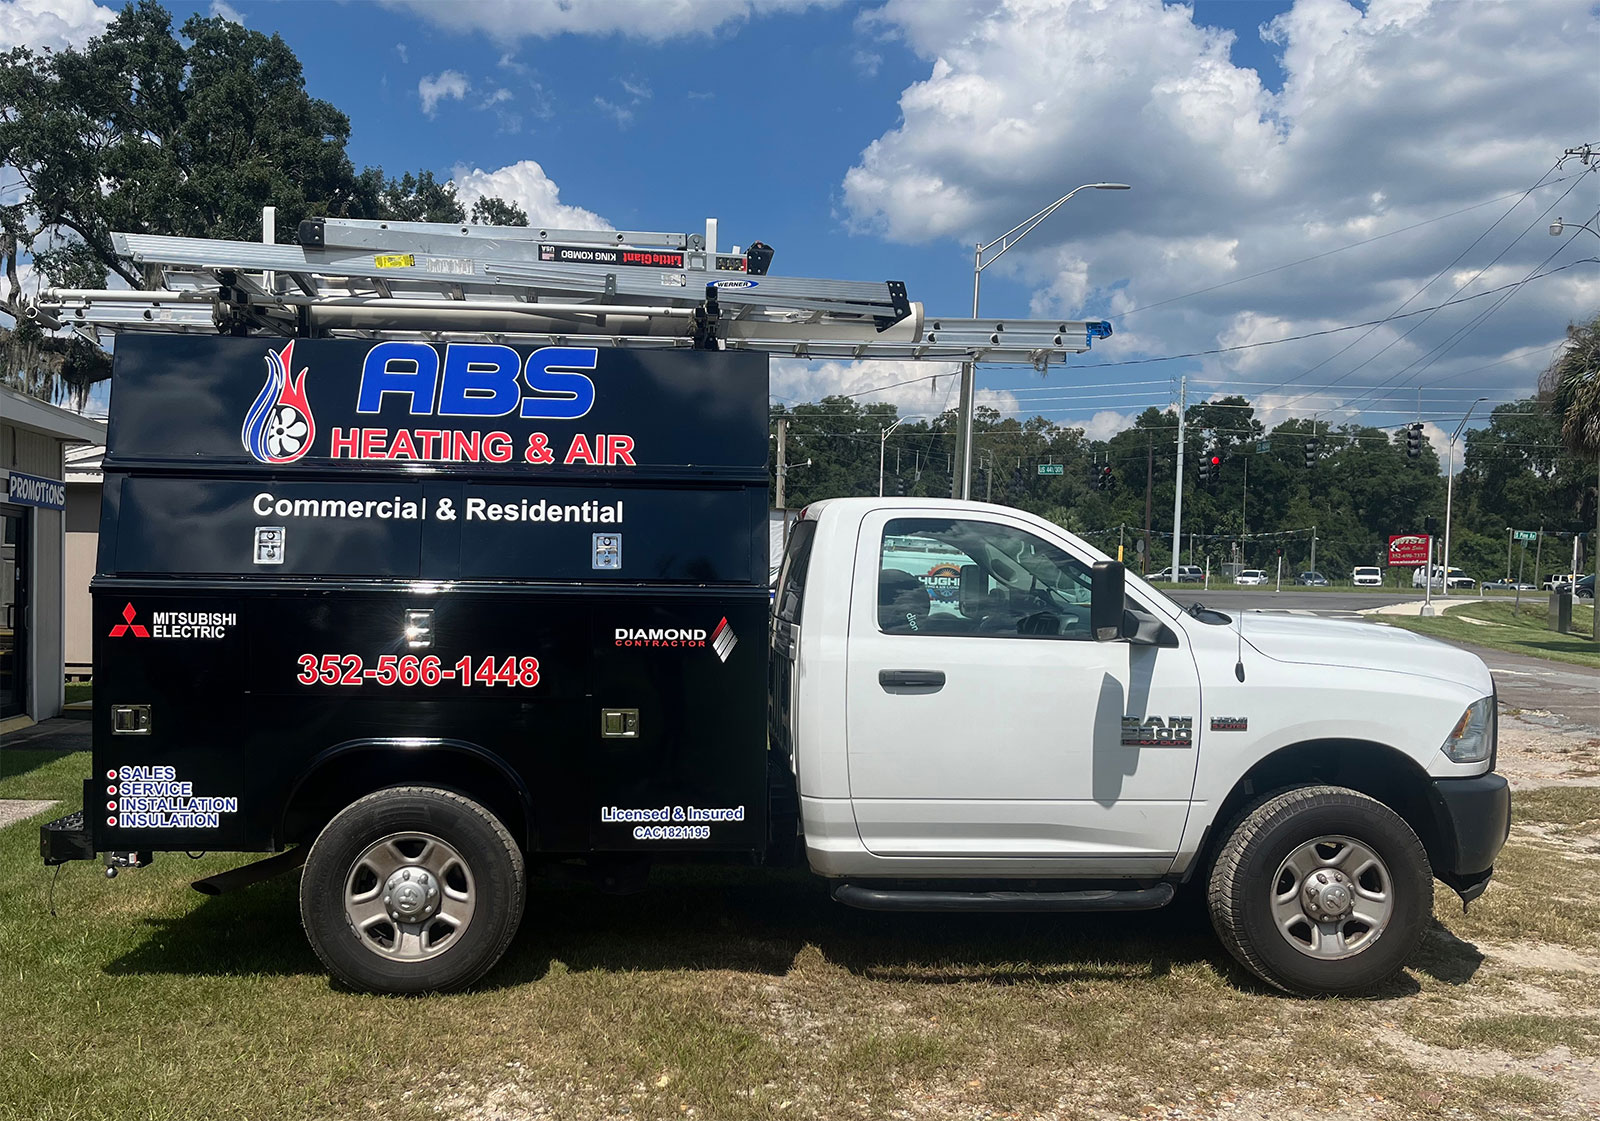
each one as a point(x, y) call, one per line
point(1230, 723)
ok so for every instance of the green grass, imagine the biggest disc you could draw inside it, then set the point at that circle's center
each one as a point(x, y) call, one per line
point(1522, 633)
point(734, 993)
point(79, 691)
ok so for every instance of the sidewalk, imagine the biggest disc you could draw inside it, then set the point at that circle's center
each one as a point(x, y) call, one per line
point(1414, 607)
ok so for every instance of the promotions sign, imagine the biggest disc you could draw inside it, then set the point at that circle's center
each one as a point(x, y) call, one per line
point(1409, 550)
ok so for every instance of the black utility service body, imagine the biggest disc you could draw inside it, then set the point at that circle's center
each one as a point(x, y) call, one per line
point(327, 567)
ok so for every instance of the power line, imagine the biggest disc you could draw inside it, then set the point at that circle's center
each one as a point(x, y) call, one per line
point(1471, 279)
point(1542, 183)
point(1434, 279)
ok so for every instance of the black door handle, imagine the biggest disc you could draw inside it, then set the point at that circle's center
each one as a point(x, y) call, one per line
point(912, 678)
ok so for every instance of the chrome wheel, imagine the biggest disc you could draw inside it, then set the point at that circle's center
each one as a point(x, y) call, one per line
point(1332, 898)
point(409, 896)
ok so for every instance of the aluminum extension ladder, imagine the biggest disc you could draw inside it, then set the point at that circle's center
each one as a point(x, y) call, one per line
point(366, 279)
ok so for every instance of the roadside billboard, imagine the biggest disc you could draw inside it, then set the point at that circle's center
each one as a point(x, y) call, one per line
point(1409, 550)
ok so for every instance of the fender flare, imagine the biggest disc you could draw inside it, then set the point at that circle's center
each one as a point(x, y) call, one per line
point(409, 744)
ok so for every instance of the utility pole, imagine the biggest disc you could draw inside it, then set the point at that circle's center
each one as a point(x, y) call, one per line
point(1177, 498)
point(1313, 548)
point(783, 447)
point(1149, 477)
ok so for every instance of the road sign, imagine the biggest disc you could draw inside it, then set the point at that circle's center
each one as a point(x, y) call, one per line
point(1525, 535)
point(1051, 469)
point(1409, 550)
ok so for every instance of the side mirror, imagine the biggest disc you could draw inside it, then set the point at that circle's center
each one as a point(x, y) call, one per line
point(1107, 599)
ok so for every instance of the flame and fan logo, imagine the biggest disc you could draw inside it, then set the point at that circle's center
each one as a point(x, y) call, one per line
point(279, 427)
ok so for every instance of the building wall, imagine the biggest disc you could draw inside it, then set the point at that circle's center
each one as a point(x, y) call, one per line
point(83, 532)
point(36, 454)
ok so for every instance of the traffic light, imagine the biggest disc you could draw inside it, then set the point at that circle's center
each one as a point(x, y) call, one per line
point(1211, 469)
point(1311, 453)
point(1107, 480)
point(1414, 441)
point(1205, 469)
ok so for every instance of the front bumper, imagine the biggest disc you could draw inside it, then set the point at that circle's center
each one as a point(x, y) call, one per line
point(1474, 818)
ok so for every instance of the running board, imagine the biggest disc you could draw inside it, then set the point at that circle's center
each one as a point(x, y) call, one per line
point(892, 899)
point(286, 861)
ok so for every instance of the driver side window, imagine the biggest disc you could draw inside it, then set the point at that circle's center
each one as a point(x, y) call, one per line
point(960, 576)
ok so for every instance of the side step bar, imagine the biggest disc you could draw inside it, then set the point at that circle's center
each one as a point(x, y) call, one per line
point(1105, 899)
point(232, 880)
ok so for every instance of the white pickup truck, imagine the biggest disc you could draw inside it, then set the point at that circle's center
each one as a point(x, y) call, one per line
point(1041, 731)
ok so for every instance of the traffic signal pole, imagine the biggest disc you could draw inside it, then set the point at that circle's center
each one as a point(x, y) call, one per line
point(1177, 498)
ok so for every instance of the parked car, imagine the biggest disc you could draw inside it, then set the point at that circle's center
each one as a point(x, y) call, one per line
point(1251, 576)
point(1558, 580)
point(1187, 574)
point(1584, 589)
point(1367, 577)
point(1311, 580)
point(1506, 585)
point(1456, 579)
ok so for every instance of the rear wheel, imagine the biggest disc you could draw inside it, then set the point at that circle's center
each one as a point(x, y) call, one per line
point(412, 890)
point(1321, 890)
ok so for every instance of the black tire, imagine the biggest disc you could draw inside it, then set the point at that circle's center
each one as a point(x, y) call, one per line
point(496, 888)
point(1246, 874)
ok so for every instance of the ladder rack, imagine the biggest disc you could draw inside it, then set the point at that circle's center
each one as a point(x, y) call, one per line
point(371, 279)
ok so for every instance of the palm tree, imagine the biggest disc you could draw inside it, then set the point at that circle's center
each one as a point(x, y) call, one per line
point(1571, 389)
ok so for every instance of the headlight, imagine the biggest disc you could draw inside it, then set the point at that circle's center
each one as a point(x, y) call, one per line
point(1471, 740)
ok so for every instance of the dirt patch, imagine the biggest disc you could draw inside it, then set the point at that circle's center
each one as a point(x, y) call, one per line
point(1532, 754)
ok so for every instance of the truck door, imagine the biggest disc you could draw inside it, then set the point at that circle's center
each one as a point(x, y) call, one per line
point(983, 720)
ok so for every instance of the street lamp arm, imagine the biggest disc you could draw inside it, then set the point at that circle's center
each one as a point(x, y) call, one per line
point(1023, 228)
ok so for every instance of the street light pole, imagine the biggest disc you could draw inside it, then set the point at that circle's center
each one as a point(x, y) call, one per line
point(961, 484)
point(883, 441)
point(1449, 494)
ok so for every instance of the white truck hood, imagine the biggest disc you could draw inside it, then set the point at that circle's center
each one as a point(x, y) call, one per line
point(1334, 642)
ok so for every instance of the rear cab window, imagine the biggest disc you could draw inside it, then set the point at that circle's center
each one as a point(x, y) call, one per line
point(792, 578)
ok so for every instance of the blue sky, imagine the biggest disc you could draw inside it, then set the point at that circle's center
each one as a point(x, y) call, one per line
point(1382, 145)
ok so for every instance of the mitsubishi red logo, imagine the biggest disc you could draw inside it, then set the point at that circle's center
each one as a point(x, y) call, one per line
point(122, 628)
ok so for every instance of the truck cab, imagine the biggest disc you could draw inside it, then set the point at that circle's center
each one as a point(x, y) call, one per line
point(961, 735)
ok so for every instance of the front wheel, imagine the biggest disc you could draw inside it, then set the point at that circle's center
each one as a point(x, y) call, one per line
point(1321, 890)
point(412, 890)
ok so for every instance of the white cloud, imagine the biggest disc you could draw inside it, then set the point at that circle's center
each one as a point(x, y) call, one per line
point(526, 184)
point(434, 88)
point(51, 24)
point(637, 88)
point(653, 20)
point(495, 98)
point(403, 51)
point(226, 11)
point(928, 389)
point(619, 113)
point(1391, 114)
